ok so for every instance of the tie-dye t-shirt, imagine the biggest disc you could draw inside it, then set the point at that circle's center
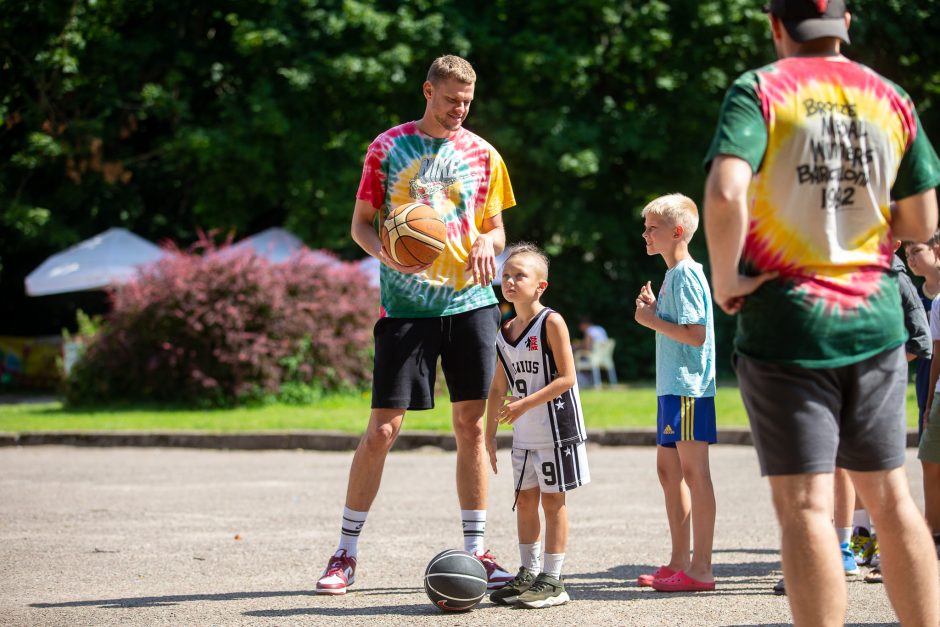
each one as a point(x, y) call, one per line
point(465, 180)
point(831, 143)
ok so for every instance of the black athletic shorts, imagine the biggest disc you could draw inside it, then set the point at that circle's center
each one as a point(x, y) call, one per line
point(406, 352)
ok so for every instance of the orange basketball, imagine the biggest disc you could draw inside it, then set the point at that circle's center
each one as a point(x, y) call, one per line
point(413, 234)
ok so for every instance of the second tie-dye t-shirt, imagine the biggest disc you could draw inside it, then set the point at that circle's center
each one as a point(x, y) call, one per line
point(465, 180)
point(831, 143)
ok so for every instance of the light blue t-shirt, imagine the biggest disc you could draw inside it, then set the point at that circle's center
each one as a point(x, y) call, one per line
point(685, 298)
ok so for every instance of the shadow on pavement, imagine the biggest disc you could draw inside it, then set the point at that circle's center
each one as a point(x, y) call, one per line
point(173, 599)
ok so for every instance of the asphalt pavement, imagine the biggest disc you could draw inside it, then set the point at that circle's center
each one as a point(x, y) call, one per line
point(175, 536)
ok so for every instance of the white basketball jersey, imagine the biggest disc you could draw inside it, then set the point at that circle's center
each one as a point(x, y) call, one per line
point(530, 366)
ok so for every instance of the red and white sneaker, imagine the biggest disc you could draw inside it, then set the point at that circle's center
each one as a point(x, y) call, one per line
point(496, 575)
point(340, 573)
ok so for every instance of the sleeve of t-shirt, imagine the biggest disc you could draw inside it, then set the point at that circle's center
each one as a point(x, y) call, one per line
point(372, 183)
point(499, 194)
point(742, 130)
point(689, 299)
point(935, 319)
point(915, 319)
point(920, 167)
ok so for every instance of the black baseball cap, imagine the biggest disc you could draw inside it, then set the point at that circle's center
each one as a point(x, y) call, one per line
point(811, 19)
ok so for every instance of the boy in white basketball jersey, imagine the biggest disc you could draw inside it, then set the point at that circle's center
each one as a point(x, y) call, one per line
point(536, 367)
point(685, 388)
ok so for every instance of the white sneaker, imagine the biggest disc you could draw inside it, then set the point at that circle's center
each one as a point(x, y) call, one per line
point(339, 574)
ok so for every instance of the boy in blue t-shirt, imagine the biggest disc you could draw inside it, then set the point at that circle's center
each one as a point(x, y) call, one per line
point(685, 386)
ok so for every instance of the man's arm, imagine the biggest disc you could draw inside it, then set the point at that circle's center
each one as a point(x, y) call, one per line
point(726, 220)
point(363, 232)
point(494, 404)
point(914, 218)
point(490, 242)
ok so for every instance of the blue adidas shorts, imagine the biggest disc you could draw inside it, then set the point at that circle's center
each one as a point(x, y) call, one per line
point(685, 418)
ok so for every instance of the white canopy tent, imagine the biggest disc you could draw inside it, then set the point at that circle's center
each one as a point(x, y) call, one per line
point(277, 245)
point(109, 258)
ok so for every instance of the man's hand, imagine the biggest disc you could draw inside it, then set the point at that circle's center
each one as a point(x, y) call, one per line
point(645, 306)
point(384, 257)
point(482, 260)
point(491, 450)
point(729, 294)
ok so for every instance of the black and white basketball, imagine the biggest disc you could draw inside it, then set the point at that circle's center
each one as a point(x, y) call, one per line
point(455, 581)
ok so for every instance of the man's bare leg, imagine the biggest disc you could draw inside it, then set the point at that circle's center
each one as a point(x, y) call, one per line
point(815, 583)
point(908, 558)
point(365, 473)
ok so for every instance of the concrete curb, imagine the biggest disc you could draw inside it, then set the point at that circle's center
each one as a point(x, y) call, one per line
point(321, 440)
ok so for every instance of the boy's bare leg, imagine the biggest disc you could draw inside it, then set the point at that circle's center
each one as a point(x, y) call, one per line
point(844, 505)
point(932, 495)
point(908, 558)
point(365, 473)
point(811, 566)
point(556, 522)
point(528, 525)
point(693, 456)
point(471, 454)
point(678, 505)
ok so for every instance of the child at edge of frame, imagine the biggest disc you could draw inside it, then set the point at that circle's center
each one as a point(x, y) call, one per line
point(683, 319)
point(535, 365)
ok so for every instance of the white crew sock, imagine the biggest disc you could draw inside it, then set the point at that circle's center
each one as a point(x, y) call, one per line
point(553, 563)
point(474, 524)
point(845, 534)
point(349, 532)
point(529, 557)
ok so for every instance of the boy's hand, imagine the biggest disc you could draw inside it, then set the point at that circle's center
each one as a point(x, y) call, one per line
point(511, 410)
point(645, 306)
point(491, 450)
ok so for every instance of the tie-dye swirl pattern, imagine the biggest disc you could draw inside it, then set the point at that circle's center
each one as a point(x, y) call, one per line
point(465, 180)
point(835, 134)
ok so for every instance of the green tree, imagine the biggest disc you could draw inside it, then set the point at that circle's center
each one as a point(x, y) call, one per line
point(167, 116)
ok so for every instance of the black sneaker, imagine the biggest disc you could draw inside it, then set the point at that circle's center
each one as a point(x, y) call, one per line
point(779, 587)
point(545, 591)
point(508, 594)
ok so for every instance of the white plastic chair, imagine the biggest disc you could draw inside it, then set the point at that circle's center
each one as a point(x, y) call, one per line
point(600, 356)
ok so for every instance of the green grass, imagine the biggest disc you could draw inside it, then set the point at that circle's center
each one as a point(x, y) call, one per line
point(622, 407)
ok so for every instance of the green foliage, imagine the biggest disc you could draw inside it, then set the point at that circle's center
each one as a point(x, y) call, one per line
point(164, 116)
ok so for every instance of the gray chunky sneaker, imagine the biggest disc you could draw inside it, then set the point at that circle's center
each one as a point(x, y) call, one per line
point(545, 591)
point(508, 594)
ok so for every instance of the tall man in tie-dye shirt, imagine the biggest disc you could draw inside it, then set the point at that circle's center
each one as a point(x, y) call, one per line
point(446, 309)
point(809, 153)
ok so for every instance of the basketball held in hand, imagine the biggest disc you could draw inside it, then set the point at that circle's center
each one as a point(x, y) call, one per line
point(413, 234)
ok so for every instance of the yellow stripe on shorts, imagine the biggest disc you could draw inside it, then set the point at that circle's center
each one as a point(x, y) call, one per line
point(687, 413)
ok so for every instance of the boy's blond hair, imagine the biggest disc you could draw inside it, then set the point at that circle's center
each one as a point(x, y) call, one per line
point(680, 210)
point(451, 66)
point(529, 249)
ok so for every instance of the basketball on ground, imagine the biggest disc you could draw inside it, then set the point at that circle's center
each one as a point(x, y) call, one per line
point(455, 580)
point(413, 234)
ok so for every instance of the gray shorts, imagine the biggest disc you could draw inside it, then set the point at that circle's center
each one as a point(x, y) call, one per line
point(929, 450)
point(808, 420)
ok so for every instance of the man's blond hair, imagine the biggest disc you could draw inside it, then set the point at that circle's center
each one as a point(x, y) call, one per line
point(528, 249)
point(678, 209)
point(451, 66)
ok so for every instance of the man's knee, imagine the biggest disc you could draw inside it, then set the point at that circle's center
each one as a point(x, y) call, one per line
point(468, 423)
point(378, 439)
point(800, 498)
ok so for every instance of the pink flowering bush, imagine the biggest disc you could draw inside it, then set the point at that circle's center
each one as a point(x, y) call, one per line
point(227, 327)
